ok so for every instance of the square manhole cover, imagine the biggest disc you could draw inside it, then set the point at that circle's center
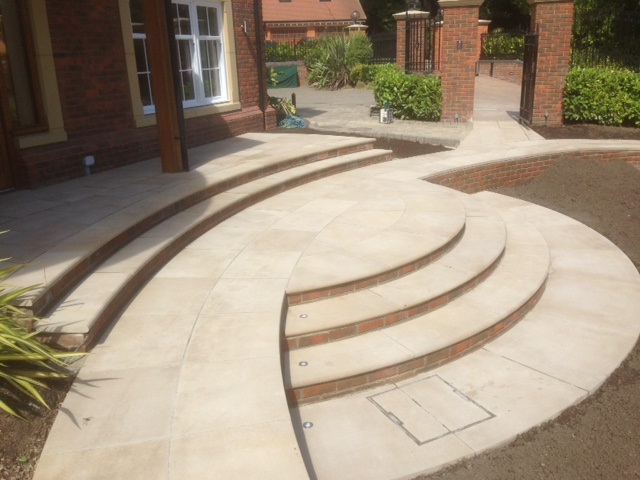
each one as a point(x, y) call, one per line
point(429, 409)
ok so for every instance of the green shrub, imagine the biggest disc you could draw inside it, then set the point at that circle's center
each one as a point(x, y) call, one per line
point(503, 45)
point(24, 361)
point(410, 96)
point(332, 58)
point(284, 107)
point(366, 74)
point(602, 96)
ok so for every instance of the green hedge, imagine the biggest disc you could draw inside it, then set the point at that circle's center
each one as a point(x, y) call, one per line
point(415, 97)
point(366, 74)
point(602, 96)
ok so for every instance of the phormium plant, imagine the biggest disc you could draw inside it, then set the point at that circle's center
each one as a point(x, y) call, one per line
point(25, 362)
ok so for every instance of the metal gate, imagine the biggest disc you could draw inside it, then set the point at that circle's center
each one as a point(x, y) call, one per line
point(421, 44)
point(529, 67)
point(384, 47)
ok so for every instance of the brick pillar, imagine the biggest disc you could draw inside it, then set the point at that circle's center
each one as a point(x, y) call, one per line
point(554, 18)
point(459, 52)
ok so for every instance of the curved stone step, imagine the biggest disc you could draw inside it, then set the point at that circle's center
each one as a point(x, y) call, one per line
point(470, 261)
point(384, 235)
point(582, 328)
point(146, 198)
point(402, 350)
point(78, 320)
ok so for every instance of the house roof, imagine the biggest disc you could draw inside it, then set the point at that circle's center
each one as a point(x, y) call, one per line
point(310, 10)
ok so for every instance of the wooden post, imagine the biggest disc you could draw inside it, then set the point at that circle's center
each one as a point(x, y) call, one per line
point(166, 90)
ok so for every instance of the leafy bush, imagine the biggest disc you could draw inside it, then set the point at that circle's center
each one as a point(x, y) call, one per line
point(502, 46)
point(366, 73)
point(410, 96)
point(603, 96)
point(332, 58)
point(24, 361)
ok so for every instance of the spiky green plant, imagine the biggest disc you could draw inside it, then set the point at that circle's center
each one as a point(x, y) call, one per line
point(25, 362)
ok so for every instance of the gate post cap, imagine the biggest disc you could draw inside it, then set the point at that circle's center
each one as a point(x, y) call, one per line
point(410, 14)
point(532, 2)
point(459, 3)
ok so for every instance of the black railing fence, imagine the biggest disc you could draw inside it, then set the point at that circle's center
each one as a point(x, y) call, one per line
point(384, 47)
point(606, 40)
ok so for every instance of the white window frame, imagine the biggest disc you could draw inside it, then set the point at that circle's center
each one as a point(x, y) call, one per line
point(195, 37)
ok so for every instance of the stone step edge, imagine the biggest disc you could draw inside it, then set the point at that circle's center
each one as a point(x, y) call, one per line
point(118, 299)
point(299, 298)
point(403, 315)
point(403, 370)
point(58, 288)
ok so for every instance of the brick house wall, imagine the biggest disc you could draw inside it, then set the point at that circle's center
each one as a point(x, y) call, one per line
point(95, 98)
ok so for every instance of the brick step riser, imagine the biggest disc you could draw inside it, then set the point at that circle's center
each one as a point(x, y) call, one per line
point(410, 368)
point(85, 342)
point(404, 315)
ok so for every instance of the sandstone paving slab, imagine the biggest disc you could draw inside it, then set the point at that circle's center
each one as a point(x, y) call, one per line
point(226, 394)
point(172, 296)
point(231, 336)
point(135, 461)
point(129, 338)
point(199, 263)
point(241, 295)
point(114, 407)
point(518, 396)
point(266, 451)
point(580, 353)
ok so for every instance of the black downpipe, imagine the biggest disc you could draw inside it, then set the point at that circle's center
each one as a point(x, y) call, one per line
point(257, 4)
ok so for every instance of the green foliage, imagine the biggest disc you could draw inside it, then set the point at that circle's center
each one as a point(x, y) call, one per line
point(410, 96)
point(508, 14)
point(502, 45)
point(332, 59)
point(603, 96)
point(25, 362)
point(366, 74)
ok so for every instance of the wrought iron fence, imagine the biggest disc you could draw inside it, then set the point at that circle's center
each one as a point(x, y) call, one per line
point(287, 50)
point(502, 46)
point(383, 45)
point(606, 40)
point(422, 44)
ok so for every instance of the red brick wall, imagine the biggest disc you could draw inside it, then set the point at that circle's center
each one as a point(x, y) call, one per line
point(401, 44)
point(457, 66)
point(555, 21)
point(507, 70)
point(505, 173)
point(88, 52)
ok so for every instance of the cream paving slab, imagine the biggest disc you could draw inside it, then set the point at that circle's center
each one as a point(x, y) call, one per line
point(242, 295)
point(580, 353)
point(232, 336)
point(266, 451)
point(135, 461)
point(519, 397)
point(115, 407)
point(199, 263)
point(172, 296)
point(129, 338)
point(239, 392)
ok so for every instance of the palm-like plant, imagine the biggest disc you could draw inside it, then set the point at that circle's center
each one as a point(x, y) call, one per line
point(25, 362)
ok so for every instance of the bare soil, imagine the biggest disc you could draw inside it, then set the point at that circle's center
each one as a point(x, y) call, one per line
point(597, 439)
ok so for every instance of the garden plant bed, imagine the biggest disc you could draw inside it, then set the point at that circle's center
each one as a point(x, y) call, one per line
point(597, 438)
